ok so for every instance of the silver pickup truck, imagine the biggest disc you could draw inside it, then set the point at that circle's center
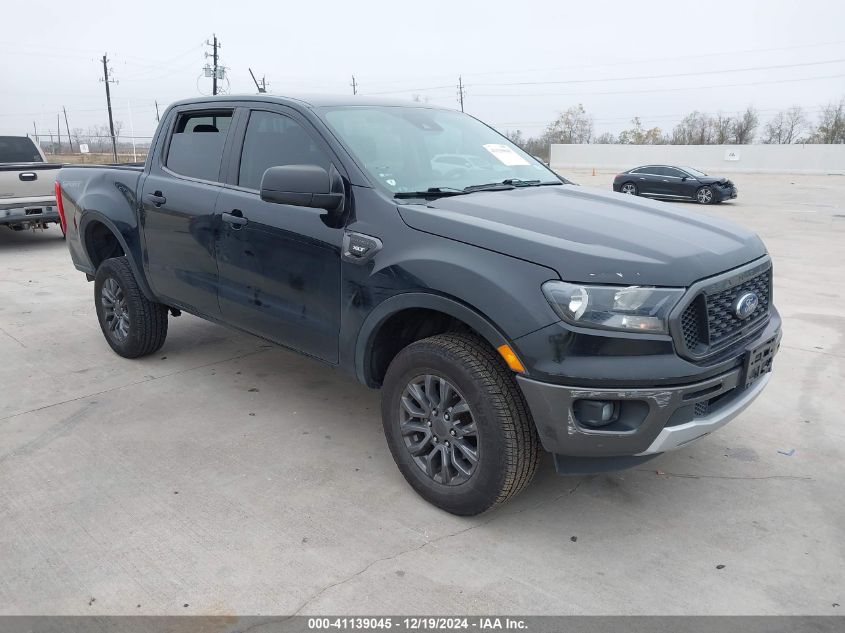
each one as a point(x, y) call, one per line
point(27, 185)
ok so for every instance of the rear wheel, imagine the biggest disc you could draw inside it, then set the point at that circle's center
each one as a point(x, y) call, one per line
point(705, 195)
point(629, 188)
point(132, 324)
point(457, 424)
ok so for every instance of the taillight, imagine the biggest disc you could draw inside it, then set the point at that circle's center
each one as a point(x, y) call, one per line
point(61, 207)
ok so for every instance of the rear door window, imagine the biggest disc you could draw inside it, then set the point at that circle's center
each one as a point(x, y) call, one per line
point(196, 146)
point(18, 149)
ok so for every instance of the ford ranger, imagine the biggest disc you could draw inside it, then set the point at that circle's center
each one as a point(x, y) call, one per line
point(501, 310)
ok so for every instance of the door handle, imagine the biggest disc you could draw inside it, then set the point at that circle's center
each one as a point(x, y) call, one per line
point(235, 218)
point(28, 176)
point(157, 198)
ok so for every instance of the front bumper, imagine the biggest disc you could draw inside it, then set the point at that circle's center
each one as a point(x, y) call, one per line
point(726, 193)
point(649, 421)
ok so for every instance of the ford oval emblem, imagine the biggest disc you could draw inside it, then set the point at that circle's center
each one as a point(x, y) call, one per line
point(745, 305)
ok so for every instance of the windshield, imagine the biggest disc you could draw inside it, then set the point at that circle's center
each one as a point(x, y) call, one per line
point(18, 149)
point(693, 172)
point(411, 149)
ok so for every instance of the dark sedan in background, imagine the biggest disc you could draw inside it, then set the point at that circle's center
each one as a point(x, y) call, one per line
point(674, 183)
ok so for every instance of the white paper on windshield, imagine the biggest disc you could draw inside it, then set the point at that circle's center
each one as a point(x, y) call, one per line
point(505, 154)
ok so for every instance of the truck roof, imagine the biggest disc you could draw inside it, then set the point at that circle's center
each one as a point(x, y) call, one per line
point(310, 100)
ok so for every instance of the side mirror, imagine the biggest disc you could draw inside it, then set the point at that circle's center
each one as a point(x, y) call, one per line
point(301, 186)
point(683, 178)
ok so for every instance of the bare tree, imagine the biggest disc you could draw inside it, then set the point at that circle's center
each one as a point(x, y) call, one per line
point(605, 138)
point(694, 129)
point(785, 126)
point(515, 137)
point(572, 126)
point(744, 127)
point(831, 126)
point(722, 128)
point(638, 135)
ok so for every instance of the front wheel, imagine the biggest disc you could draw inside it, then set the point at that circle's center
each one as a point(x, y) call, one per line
point(457, 424)
point(629, 188)
point(705, 195)
point(132, 324)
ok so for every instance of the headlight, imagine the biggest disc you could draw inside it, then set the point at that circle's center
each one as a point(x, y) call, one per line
point(635, 308)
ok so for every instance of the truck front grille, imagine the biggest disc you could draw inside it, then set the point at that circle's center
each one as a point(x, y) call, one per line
point(708, 323)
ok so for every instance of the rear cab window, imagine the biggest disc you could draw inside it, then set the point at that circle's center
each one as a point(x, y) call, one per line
point(196, 145)
point(18, 149)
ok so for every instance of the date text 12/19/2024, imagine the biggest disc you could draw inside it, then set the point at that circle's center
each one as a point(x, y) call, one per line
point(417, 623)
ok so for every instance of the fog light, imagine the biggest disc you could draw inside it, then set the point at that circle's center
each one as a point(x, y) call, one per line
point(594, 413)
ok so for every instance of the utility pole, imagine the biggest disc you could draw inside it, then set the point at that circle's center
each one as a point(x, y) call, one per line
point(262, 87)
point(354, 85)
point(59, 131)
point(157, 119)
point(35, 129)
point(214, 83)
point(107, 81)
point(67, 127)
point(215, 71)
point(462, 91)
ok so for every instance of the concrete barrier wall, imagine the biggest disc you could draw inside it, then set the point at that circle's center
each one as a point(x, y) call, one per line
point(775, 159)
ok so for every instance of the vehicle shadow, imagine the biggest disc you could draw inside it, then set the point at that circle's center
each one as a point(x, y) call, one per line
point(50, 237)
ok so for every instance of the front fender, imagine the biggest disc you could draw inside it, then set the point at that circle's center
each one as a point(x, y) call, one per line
point(397, 303)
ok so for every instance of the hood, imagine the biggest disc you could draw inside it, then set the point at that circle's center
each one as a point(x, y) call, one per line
point(591, 236)
point(711, 180)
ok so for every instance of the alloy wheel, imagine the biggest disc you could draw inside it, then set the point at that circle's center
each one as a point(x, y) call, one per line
point(629, 188)
point(115, 309)
point(704, 195)
point(439, 429)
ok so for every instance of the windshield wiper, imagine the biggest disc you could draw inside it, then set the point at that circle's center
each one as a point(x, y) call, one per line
point(431, 192)
point(510, 183)
point(504, 185)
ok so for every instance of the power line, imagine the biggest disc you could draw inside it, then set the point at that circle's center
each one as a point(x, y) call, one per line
point(626, 62)
point(652, 90)
point(626, 78)
point(667, 76)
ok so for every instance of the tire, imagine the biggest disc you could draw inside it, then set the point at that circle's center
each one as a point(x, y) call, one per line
point(145, 327)
point(496, 423)
point(705, 195)
point(629, 188)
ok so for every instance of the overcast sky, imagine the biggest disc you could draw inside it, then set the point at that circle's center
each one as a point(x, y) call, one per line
point(602, 54)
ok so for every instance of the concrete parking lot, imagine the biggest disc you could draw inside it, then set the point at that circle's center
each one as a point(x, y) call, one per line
point(224, 475)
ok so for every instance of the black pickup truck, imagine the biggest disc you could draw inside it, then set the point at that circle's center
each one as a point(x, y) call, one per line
point(500, 308)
